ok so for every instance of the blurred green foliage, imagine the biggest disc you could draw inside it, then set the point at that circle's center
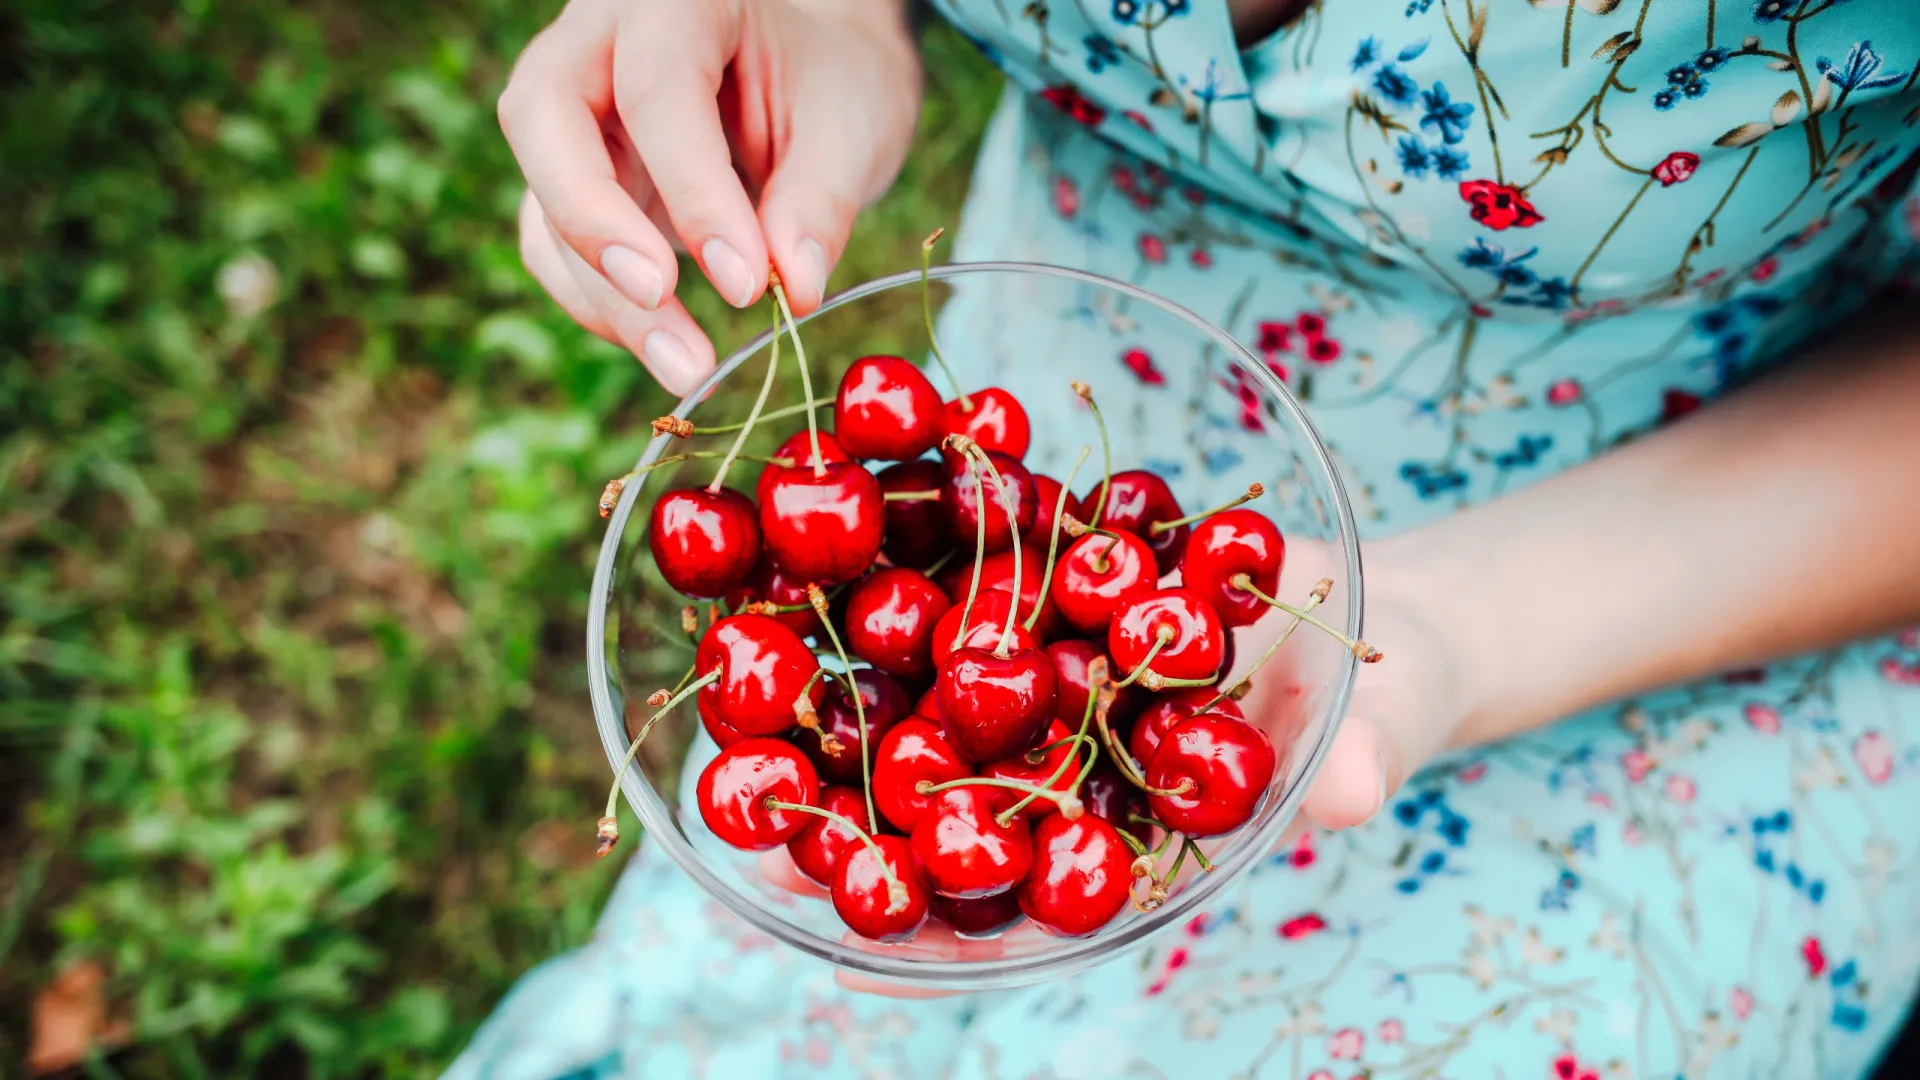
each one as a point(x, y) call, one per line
point(297, 474)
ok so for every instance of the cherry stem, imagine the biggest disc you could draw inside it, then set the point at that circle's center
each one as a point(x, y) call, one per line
point(806, 377)
point(1133, 842)
point(611, 493)
point(897, 898)
point(776, 414)
point(1200, 856)
point(1053, 538)
point(1253, 492)
point(1096, 677)
point(608, 829)
point(1013, 530)
point(819, 601)
point(911, 496)
point(979, 552)
point(768, 607)
point(1367, 653)
point(753, 414)
point(940, 563)
point(1161, 639)
point(1106, 450)
point(1313, 601)
point(1069, 803)
point(926, 315)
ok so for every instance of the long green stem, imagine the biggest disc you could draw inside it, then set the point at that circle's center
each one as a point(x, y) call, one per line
point(806, 376)
point(926, 316)
point(1013, 530)
point(1313, 601)
point(979, 550)
point(611, 494)
point(819, 601)
point(1070, 805)
point(774, 414)
point(753, 414)
point(1254, 491)
point(1096, 675)
point(1161, 640)
point(1106, 451)
point(1053, 537)
point(607, 830)
point(897, 898)
point(1367, 653)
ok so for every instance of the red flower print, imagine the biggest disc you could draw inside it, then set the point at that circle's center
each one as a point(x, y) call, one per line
point(1563, 393)
point(1139, 120)
point(1177, 959)
point(1123, 179)
point(1152, 248)
point(1302, 855)
point(1140, 362)
point(1142, 200)
point(1302, 926)
point(1066, 197)
point(1194, 195)
point(1202, 259)
point(1675, 404)
point(1815, 957)
point(1274, 337)
point(1568, 1067)
point(1637, 763)
point(1677, 168)
point(1323, 350)
point(1310, 323)
point(1473, 773)
point(1156, 175)
point(1068, 99)
point(1764, 719)
point(1197, 925)
point(1764, 270)
point(1498, 206)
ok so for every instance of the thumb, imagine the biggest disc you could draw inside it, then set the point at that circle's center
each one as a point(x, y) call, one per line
point(1386, 737)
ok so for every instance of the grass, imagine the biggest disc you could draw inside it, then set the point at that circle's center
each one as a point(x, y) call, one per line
point(297, 475)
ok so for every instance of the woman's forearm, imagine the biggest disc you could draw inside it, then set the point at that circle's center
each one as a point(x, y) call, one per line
point(1783, 519)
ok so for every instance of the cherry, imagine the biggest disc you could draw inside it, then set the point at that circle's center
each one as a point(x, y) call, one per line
point(764, 670)
point(1170, 709)
point(863, 896)
point(1036, 769)
point(928, 706)
point(704, 541)
point(887, 410)
point(722, 733)
point(818, 846)
point(994, 418)
point(1111, 796)
point(996, 572)
point(1168, 634)
point(960, 498)
point(1047, 492)
point(891, 616)
point(914, 750)
point(980, 917)
point(1237, 541)
point(963, 851)
point(991, 610)
point(916, 528)
point(734, 788)
point(1082, 875)
point(1220, 766)
point(1099, 573)
point(824, 527)
point(1135, 501)
point(798, 449)
point(1070, 659)
point(886, 705)
point(995, 706)
point(771, 584)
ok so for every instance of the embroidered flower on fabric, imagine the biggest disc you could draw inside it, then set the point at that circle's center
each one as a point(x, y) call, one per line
point(1499, 206)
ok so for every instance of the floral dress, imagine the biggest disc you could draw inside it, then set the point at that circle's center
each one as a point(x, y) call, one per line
point(1482, 242)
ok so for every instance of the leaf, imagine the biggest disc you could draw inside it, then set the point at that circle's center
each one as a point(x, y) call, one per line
point(1626, 50)
point(1602, 7)
point(1414, 50)
point(1779, 65)
point(1745, 135)
point(1608, 46)
point(1822, 96)
point(1479, 29)
point(1749, 43)
point(1787, 108)
point(70, 1019)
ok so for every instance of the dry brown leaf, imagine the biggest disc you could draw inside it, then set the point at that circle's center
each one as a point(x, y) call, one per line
point(70, 1019)
point(1745, 135)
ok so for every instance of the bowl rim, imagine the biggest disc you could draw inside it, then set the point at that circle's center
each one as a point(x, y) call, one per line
point(1069, 954)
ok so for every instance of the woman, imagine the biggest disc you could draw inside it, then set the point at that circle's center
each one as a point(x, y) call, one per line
point(1484, 243)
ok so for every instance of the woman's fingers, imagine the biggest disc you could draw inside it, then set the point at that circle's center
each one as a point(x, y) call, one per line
point(540, 250)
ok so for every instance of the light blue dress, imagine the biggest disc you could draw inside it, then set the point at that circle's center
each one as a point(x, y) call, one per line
point(1483, 243)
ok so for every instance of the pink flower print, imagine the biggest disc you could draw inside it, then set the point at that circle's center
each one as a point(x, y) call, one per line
point(1473, 773)
point(1194, 195)
point(1157, 987)
point(1177, 958)
point(1346, 1044)
point(1815, 957)
point(1320, 1074)
point(1764, 719)
point(1680, 789)
point(1764, 270)
point(1140, 362)
point(1677, 168)
point(1066, 197)
point(1740, 1000)
point(1301, 926)
point(1197, 925)
point(1202, 259)
point(1302, 855)
point(1568, 1067)
point(819, 1052)
point(1899, 674)
point(1156, 175)
point(1123, 179)
point(1391, 1031)
point(1873, 752)
point(1563, 393)
point(1152, 248)
point(1638, 763)
point(1600, 799)
point(1142, 200)
point(1631, 835)
point(1139, 120)
point(1910, 637)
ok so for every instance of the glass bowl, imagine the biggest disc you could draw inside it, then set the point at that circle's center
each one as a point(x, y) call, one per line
point(1032, 329)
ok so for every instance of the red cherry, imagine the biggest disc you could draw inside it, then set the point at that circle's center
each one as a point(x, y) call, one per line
point(980, 917)
point(734, 788)
point(928, 707)
point(825, 528)
point(722, 733)
point(775, 586)
point(960, 497)
point(995, 706)
point(764, 667)
point(891, 616)
point(913, 751)
point(1170, 709)
point(863, 897)
point(704, 541)
point(1099, 573)
point(1021, 767)
point(1221, 765)
point(996, 572)
point(1136, 500)
point(916, 528)
point(887, 410)
point(990, 612)
point(798, 449)
point(887, 704)
point(1082, 876)
point(818, 846)
point(1071, 658)
point(964, 852)
point(1112, 797)
point(1237, 541)
point(995, 420)
point(1196, 641)
point(1047, 494)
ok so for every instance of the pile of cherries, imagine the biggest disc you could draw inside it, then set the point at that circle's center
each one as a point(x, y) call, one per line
point(1020, 715)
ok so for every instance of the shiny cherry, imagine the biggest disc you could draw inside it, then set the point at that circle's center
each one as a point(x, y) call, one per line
point(1195, 639)
point(914, 750)
point(1047, 492)
point(1138, 499)
point(886, 410)
point(1108, 795)
point(990, 612)
point(1168, 710)
point(963, 851)
point(996, 572)
point(995, 706)
point(1220, 765)
point(960, 498)
point(981, 917)
point(768, 582)
point(1037, 769)
point(823, 528)
point(798, 449)
point(1082, 876)
point(1237, 541)
point(764, 668)
point(1096, 574)
point(891, 615)
point(818, 846)
point(722, 733)
point(1070, 657)
point(887, 704)
point(916, 528)
point(928, 706)
point(704, 541)
point(733, 790)
point(863, 897)
point(994, 418)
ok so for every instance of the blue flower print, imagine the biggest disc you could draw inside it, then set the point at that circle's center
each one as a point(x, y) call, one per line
point(1859, 70)
point(1414, 160)
point(1695, 89)
point(1681, 76)
point(1432, 481)
point(1553, 294)
point(1365, 54)
point(1448, 163)
point(1125, 11)
point(1418, 7)
point(1101, 52)
point(1170, 8)
point(1394, 85)
point(1511, 270)
point(1526, 452)
point(1766, 11)
point(1711, 61)
point(1444, 115)
point(1664, 99)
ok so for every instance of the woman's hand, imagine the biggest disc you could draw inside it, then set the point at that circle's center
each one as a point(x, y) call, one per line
point(740, 131)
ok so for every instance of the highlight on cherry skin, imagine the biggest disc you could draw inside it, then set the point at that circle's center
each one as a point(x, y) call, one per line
point(944, 690)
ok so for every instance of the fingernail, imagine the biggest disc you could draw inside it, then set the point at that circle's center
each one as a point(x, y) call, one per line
point(813, 263)
point(671, 361)
point(634, 275)
point(728, 272)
